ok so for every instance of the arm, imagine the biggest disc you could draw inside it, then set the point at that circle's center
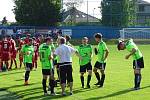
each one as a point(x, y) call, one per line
point(131, 53)
point(106, 54)
point(77, 53)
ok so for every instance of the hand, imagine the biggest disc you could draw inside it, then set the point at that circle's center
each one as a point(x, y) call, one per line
point(127, 56)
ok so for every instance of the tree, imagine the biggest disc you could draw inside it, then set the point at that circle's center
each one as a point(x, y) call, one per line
point(118, 13)
point(4, 21)
point(73, 3)
point(37, 12)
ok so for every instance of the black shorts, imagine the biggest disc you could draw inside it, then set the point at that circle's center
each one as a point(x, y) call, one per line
point(86, 67)
point(100, 66)
point(28, 66)
point(138, 64)
point(54, 62)
point(66, 73)
point(46, 71)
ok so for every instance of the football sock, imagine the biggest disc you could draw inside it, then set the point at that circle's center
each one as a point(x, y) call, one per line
point(27, 75)
point(97, 76)
point(88, 79)
point(102, 79)
point(82, 80)
point(44, 85)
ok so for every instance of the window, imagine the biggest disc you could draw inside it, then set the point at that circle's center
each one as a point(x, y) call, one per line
point(83, 16)
point(141, 8)
point(77, 16)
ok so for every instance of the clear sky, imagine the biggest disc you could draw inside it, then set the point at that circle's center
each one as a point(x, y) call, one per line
point(6, 7)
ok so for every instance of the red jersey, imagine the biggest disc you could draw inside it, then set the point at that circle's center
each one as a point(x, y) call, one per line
point(6, 45)
point(38, 40)
point(13, 45)
point(36, 46)
point(26, 40)
point(20, 43)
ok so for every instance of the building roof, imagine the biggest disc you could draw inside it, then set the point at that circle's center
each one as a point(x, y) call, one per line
point(79, 16)
point(143, 2)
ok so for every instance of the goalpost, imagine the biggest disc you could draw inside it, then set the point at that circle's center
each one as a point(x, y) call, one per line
point(135, 33)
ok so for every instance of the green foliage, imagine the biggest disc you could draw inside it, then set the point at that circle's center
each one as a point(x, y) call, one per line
point(37, 12)
point(118, 13)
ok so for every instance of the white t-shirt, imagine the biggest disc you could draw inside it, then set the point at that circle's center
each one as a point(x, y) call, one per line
point(65, 53)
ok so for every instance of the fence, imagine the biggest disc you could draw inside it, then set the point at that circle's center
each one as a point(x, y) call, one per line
point(76, 31)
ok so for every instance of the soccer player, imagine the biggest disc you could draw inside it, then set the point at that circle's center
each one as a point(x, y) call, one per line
point(85, 51)
point(13, 51)
point(102, 53)
point(36, 48)
point(65, 64)
point(28, 54)
point(138, 62)
point(46, 61)
point(26, 40)
point(6, 46)
point(68, 38)
point(20, 44)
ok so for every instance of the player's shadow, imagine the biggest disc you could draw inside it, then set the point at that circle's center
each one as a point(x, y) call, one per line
point(116, 93)
point(41, 97)
point(10, 73)
point(20, 85)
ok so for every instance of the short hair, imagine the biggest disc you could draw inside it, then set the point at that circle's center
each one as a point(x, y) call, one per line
point(85, 38)
point(33, 38)
point(8, 36)
point(30, 40)
point(68, 38)
point(62, 40)
point(48, 39)
point(119, 44)
point(28, 35)
point(98, 35)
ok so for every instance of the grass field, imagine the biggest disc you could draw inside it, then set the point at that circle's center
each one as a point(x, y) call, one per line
point(119, 80)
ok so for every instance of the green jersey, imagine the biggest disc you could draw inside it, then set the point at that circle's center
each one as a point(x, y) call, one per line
point(28, 52)
point(45, 53)
point(130, 45)
point(101, 52)
point(85, 51)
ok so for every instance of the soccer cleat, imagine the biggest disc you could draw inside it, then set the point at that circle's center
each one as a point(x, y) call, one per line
point(26, 83)
point(83, 87)
point(88, 86)
point(53, 94)
point(45, 94)
point(136, 88)
point(63, 94)
point(71, 93)
point(101, 86)
point(98, 83)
